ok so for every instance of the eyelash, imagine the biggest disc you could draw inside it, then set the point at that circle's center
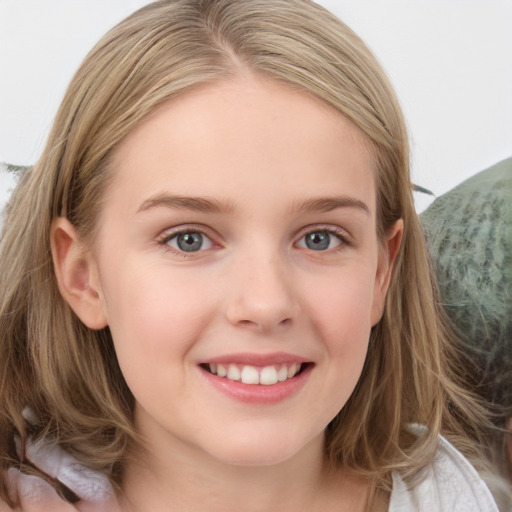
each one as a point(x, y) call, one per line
point(164, 240)
point(338, 233)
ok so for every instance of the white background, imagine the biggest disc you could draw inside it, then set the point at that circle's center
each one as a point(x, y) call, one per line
point(450, 62)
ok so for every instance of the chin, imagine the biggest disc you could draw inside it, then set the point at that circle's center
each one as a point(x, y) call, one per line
point(259, 452)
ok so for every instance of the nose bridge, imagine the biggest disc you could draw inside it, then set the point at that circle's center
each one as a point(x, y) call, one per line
point(263, 297)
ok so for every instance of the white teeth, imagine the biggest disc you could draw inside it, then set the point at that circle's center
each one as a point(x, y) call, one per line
point(282, 374)
point(250, 375)
point(268, 376)
point(221, 371)
point(233, 372)
point(294, 368)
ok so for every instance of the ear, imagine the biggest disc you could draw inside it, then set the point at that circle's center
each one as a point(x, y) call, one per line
point(77, 276)
point(387, 255)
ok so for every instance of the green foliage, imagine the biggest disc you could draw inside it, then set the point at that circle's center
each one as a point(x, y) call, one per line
point(16, 168)
point(469, 233)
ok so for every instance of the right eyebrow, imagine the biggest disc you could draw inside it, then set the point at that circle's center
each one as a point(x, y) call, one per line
point(193, 203)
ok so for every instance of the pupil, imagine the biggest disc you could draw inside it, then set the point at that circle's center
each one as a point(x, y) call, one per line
point(190, 242)
point(318, 241)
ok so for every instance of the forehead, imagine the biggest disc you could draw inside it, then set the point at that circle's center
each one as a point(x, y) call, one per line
point(243, 138)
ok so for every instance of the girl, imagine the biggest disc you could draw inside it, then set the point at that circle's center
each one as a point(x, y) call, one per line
point(215, 290)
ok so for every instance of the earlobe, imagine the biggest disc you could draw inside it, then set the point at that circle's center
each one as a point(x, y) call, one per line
point(387, 257)
point(76, 274)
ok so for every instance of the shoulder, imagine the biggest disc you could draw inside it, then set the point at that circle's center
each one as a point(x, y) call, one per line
point(450, 483)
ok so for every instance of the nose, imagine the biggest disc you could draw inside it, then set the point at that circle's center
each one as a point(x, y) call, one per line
point(262, 297)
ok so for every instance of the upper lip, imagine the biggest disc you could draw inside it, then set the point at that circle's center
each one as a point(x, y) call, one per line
point(254, 359)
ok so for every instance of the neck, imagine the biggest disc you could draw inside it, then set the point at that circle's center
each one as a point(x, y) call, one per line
point(184, 479)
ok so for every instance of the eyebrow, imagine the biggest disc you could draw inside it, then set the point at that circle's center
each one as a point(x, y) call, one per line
point(177, 202)
point(211, 205)
point(328, 204)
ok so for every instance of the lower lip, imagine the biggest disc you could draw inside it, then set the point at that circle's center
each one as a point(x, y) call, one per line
point(259, 393)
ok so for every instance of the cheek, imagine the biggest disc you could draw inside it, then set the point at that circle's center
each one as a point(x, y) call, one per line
point(342, 320)
point(340, 311)
point(155, 319)
point(156, 314)
point(342, 307)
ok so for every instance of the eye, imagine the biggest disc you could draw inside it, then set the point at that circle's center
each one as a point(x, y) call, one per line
point(320, 240)
point(189, 241)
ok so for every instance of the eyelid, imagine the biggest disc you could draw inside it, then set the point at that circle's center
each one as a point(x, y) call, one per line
point(343, 235)
point(169, 234)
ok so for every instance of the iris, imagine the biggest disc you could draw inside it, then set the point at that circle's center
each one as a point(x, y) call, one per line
point(189, 242)
point(318, 240)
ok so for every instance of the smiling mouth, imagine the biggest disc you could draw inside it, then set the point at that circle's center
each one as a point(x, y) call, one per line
point(254, 375)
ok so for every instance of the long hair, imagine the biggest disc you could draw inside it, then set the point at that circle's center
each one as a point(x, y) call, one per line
point(68, 375)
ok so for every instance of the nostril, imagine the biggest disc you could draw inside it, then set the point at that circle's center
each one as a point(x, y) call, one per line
point(261, 315)
point(265, 324)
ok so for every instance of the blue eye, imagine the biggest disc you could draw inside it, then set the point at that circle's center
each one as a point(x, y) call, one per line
point(320, 240)
point(189, 241)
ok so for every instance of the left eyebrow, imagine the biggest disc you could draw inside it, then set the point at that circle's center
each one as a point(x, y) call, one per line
point(328, 204)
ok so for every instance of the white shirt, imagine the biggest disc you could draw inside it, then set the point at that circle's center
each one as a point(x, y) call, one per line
point(451, 484)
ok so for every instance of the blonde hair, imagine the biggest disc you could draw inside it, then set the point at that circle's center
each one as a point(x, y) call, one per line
point(68, 374)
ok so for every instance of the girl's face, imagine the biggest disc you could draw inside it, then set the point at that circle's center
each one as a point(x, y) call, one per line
point(238, 268)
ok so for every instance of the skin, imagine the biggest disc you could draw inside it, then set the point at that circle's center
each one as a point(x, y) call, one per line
point(261, 151)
